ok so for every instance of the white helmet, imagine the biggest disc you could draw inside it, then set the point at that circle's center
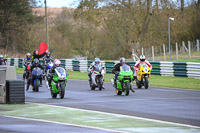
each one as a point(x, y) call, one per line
point(57, 62)
point(142, 58)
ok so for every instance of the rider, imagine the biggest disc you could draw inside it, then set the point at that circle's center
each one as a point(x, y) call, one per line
point(116, 68)
point(27, 61)
point(90, 70)
point(47, 59)
point(142, 61)
point(37, 55)
point(35, 64)
point(2, 61)
point(52, 70)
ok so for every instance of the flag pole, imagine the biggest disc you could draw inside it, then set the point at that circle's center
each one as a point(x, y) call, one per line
point(45, 1)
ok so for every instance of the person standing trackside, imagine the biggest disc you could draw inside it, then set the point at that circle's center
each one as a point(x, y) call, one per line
point(2, 61)
point(36, 54)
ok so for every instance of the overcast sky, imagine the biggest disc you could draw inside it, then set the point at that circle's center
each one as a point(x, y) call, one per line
point(62, 3)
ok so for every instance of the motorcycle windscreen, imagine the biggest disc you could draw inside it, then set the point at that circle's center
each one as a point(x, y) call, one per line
point(98, 68)
point(49, 65)
point(125, 68)
point(61, 71)
point(37, 71)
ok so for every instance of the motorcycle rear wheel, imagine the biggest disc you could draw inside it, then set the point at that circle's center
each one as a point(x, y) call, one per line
point(118, 92)
point(53, 95)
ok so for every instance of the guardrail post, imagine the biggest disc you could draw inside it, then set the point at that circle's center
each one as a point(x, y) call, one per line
point(164, 52)
point(197, 45)
point(176, 51)
point(189, 49)
point(153, 53)
point(183, 46)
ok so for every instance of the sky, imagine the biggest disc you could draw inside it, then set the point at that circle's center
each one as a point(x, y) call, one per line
point(61, 3)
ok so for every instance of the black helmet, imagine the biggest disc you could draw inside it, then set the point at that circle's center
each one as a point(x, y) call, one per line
point(36, 61)
point(122, 60)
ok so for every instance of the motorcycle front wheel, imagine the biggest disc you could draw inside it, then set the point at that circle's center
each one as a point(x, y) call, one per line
point(146, 82)
point(62, 91)
point(127, 89)
point(100, 84)
point(36, 86)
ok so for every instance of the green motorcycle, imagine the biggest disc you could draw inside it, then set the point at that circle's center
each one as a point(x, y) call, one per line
point(59, 83)
point(124, 79)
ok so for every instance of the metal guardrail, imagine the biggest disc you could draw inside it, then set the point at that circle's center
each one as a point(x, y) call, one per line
point(180, 69)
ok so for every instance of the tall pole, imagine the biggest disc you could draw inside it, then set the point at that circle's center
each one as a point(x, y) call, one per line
point(45, 1)
point(169, 38)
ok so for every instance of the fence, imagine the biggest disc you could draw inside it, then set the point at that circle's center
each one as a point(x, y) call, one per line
point(180, 69)
point(179, 50)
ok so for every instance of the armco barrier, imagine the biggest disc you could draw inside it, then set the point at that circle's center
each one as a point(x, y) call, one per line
point(180, 69)
point(193, 70)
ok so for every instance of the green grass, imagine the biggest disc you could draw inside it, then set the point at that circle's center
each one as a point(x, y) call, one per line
point(173, 82)
point(20, 70)
point(188, 60)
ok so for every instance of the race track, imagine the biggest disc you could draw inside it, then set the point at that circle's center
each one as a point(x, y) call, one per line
point(157, 103)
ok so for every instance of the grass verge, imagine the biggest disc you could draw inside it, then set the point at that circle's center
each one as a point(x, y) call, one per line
point(173, 82)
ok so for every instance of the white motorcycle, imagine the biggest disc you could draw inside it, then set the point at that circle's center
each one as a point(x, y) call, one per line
point(97, 77)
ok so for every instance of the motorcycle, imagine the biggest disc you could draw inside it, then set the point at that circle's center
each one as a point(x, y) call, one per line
point(48, 67)
point(123, 81)
point(59, 83)
point(97, 77)
point(143, 76)
point(36, 78)
point(28, 71)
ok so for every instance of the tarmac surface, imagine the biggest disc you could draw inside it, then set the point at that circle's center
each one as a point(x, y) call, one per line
point(158, 103)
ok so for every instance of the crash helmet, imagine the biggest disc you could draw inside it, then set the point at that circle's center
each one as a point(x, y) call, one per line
point(36, 62)
point(142, 58)
point(97, 60)
point(48, 54)
point(1, 56)
point(122, 60)
point(28, 56)
point(57, 62)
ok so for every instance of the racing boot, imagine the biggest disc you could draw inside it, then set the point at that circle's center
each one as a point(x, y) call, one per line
point(27, 87)
point(134, 78)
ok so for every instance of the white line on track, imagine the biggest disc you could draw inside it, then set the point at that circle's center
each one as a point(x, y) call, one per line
point(127, 116)
point(68, 124)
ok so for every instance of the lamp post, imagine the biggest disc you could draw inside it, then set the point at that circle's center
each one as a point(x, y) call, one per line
point(45, 1)
point(170, 58)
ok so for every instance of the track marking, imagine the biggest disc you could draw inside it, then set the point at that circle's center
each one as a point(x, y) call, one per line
point(89, 102)
point(127, 116)
point(68, 124)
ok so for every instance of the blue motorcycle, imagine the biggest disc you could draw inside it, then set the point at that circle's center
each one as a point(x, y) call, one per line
point(36, 78)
